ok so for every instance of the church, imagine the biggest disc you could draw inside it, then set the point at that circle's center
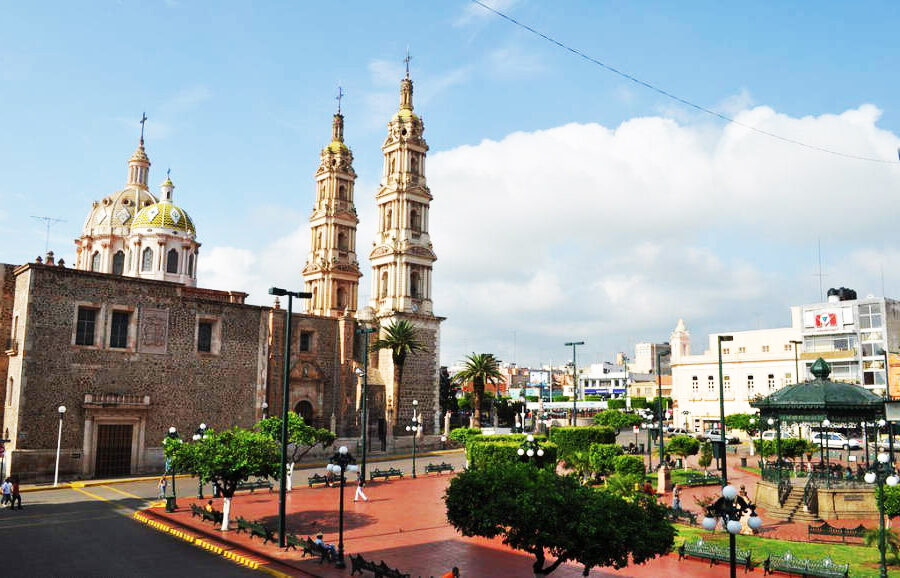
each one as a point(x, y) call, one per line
point(121, 346)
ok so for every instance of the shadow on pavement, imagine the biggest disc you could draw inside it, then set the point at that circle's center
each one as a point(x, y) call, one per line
point(314, 521)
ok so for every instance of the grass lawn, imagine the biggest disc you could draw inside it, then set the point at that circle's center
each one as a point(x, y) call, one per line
point(679, 476)
point(863, 561)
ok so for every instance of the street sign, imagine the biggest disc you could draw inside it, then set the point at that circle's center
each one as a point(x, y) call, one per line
point(636, 430)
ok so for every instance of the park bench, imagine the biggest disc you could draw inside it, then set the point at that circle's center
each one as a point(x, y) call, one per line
point(214, 516)
point(790, 564)
point(254, 485)
point(261, 530)
point(386, 474)
point(675, 515)
point(704, 479)
point(310, 548)
point(827, 529)
point(713, 553)
point(317, 479)
point(292, 541)
point(438, 468)
point(243, 524)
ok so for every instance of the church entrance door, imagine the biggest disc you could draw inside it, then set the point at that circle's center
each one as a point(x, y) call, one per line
point(305, 410)
point(113, 450)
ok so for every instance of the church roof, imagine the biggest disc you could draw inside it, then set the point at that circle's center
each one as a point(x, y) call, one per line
point(164, 215)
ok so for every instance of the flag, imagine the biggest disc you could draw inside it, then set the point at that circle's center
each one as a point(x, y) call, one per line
point(826, 320)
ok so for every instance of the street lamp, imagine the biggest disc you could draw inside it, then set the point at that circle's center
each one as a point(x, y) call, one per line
point(646, 426)
point(659, 399)
point(200, 434)
point(776, 423)
point(529, 449)
point(62, 413)
point(285, 394)
point(415, 426)
point(522, 401)
point(340, 463)
point(823, 440)
point(752, 423)
point(365, 318)
point(574, 379)
point(722, 338)
point(265, 410)
point(729, 508)
point(797, 344)
point(171, 504)
point(881, 473)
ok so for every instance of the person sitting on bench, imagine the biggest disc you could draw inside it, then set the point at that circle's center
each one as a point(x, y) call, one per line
point(330, 551)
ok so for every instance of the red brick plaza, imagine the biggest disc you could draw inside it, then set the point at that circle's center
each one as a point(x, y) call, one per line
point(403, 523)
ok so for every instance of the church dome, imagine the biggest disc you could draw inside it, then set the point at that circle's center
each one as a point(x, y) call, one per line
point(164, 215)
point(113, 214)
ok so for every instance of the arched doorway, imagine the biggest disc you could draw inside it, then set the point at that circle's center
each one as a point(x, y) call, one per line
point(305, 410)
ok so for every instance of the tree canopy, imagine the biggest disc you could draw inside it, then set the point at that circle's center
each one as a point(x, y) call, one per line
point(480, 369)
point(301, 437)
point(741, 421)
point(618, 420)
point(543, 513)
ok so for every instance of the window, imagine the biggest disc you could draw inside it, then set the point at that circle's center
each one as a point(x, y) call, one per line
point(765, 348)
point(787, 347)
point(305, 341)
point(742, 350)
point(414, 222)
point(341, 298)
point(726, 350)
point(711, 385)
point(414, 165)
point(342, 241)
point(387, 220)
point(118, 263)
point(771, 381)
point(190, 266)
point(871, 349)
point(118, 335)
point(95, 261)
point(147, 259)
point(726, 381)
point(751, 387)
point(384, 284)
point(870, 316)
point(342, 192)
point(85, 326)
point(414, 284)
point(172, 261)
point(204, 336)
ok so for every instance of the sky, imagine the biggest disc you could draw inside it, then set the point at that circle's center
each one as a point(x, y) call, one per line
point(570, 203)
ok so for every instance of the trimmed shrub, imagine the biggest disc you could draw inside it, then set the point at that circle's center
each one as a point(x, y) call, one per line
point(594, 398)
point(618, 403)
point(560, 398)
point(518, 438)
point(638, 402)
point(629, 465)
point(601, 458)
point(461, 435)
point(579, 439)
point(481, 453)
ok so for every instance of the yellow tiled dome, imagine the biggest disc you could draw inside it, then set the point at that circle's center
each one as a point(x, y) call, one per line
point(164, 215)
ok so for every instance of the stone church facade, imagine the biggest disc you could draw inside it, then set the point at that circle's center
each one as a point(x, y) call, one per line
point(131, 347)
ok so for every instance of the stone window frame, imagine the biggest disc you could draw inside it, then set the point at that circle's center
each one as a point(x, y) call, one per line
point(131, 343)
point(172, 261)
point(215, 345)
point(99, 325)
point(311, 341)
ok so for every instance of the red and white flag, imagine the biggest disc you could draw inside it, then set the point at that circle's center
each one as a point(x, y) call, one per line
point(826, 320)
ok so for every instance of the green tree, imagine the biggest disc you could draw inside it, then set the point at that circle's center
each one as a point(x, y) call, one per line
point(479, 368)
point(741, 421)
point(891, 501)
point(225, 459)
point(891, 541)
point(706, 455)
point(602, 458)
point(401, 337)
point(302, 438)
point(542, 513)
point(683, 446)
point(618, 420)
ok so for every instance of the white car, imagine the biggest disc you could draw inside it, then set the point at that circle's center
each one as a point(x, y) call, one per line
point(835, 440)
point(770, 435)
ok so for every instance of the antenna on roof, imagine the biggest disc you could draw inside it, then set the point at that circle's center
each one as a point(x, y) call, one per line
point(50, 221)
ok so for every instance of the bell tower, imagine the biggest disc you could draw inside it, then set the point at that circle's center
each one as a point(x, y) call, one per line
point(332, 271)
point(402, 256)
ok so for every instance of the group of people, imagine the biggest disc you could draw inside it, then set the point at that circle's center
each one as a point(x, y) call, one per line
point(11, 497)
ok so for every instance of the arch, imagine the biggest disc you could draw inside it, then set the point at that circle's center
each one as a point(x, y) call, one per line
point(190, 265)
point(342, 192)
point(118, 263)
point(147, 259)
point(342, 241)
point(384, 284)
point(414, 223)
point(414, 164)
point(95, 261)
point(172, 261)
point(305, 410)
point(414, 284)
point(341, 298)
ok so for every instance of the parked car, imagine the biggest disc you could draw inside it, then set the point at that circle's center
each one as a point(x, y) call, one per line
point(770, 435)
point(678, 431)
point(835, 440)
point(712, 435)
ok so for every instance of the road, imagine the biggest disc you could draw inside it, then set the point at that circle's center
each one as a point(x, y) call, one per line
point(88, 532)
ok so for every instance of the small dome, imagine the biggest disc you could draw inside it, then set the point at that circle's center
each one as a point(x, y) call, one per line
point(164, 215)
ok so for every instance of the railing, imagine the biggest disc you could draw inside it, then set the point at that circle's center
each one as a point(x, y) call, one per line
point(830, 481)
point(784, 490)
point(811, 495)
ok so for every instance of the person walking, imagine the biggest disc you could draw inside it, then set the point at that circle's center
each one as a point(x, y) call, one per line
point(6, 489)
point(360, 482)
point(676, 498)
point(161, 488)
point(16, 496)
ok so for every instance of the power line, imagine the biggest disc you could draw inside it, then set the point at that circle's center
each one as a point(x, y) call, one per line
point(675, 97)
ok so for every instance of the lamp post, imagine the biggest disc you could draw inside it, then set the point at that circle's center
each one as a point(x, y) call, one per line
point(720, 339)
point(646, 426)
point(659, 399)
point(729, 508)
point(62, 413)
point(415, 426)
point(823, 439)
point(285, 394)
point(881, 473)
point(529, 449)
point(365, 329)
point(522, 401)
point(265, 410)
point(199, 435)
point(574, 344)
point(752, 423)
point(796, 344)
point(776, 423)
point(171, 503)
point(340, 463)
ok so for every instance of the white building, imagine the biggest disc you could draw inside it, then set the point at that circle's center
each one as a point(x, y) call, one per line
point(645, 356)
point(608, 379)
point(755, 363)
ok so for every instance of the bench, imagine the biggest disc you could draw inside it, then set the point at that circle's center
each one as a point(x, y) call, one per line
point(254, 485)
point(713, 553)
point(291, 541)
point(310, 548)
point(213, 516)
point(701, 480)
point(790, 564)
point(386, 474)
point(675, 515)
point(438, 468)
point(360, 564)
point(243, 524)
point(317, 479)
point(827, 529)
point(261, 530)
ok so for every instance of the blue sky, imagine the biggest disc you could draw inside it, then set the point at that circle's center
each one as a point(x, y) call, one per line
point(569, 202)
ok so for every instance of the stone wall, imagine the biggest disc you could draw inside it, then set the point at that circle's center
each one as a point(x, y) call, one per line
point(7, 298)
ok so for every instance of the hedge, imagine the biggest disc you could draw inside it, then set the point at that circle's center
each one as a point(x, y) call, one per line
point(601, 458)
point(638, 402)
point(617, 403)
point(579, 439)
point(629, 465)
point(461, 435)
point(480, 452)
point(518, 438)
point(560, 398)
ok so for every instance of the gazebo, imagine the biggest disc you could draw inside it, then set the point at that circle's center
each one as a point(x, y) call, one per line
point(828, 490)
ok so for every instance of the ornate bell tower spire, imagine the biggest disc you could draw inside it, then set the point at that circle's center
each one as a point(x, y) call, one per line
point(332, 271)
point(139, 163)
point(402, 258)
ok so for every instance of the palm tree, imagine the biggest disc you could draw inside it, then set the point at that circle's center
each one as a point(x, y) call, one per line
point(400, 337)
point(480, 368)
